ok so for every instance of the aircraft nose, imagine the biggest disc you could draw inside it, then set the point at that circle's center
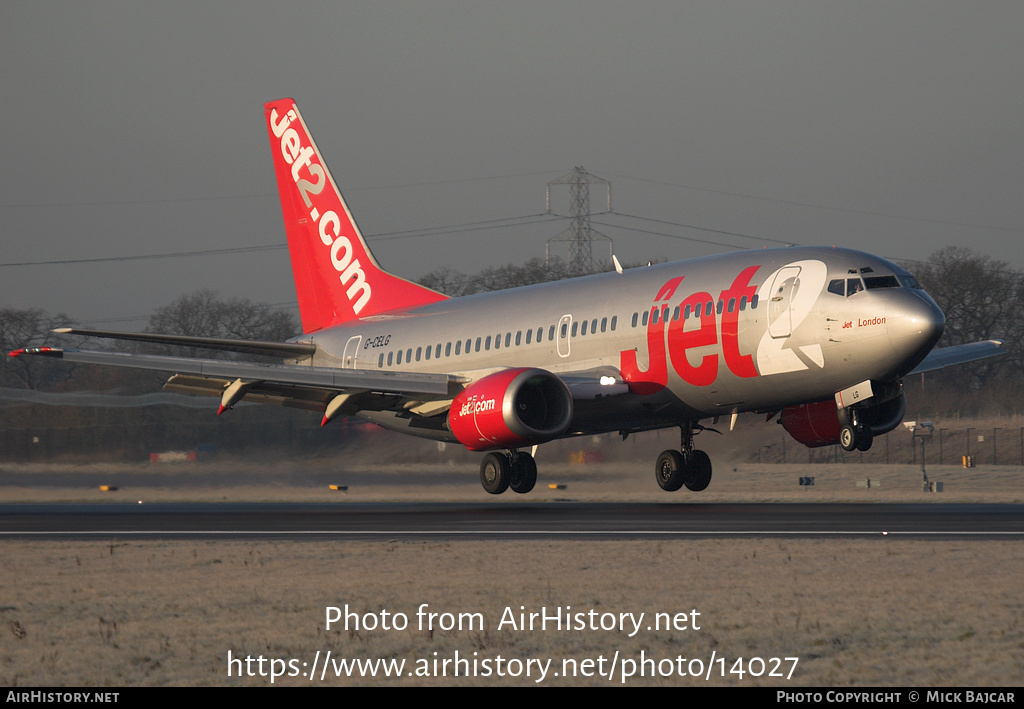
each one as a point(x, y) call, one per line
point(915, 323)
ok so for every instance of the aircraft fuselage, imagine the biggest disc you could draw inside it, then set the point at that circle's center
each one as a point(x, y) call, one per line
point(748, 331)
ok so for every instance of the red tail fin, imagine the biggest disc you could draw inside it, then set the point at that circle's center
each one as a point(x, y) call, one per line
point(336, 276)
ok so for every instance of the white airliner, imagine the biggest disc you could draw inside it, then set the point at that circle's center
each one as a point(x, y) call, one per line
point(820, 336)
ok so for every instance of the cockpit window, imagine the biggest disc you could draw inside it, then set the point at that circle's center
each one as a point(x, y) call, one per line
point(846, 287)
point(873, 282)
point(908, 281)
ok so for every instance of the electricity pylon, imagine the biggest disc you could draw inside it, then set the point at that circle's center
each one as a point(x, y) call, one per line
point(579, 234)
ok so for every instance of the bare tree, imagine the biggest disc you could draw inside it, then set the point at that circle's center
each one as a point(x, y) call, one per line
point(30, 328)
point(448, 281)
point(982, 298)
point(536, 270)
point(204, 314)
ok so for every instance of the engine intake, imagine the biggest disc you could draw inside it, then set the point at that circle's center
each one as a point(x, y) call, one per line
point(512, 408)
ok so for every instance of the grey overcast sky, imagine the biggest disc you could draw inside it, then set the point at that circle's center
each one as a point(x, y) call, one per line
point(133, 129)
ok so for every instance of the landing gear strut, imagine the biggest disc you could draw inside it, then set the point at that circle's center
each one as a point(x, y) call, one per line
point(500, 471)
point(685, 466)
point(855, 434)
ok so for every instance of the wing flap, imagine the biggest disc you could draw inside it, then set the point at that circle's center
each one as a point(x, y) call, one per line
point(293, 397)
point(308, 398)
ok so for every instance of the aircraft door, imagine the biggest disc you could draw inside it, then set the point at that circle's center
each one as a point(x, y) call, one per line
point(562, 335)
point(348, 360)
point(780, 305)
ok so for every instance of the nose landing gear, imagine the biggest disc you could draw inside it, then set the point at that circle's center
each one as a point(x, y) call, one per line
point(855, 433)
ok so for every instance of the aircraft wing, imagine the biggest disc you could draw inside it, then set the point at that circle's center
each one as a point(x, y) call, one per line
point(959, 354)
point(295, 385)
point(292, 350)
point(303, 386)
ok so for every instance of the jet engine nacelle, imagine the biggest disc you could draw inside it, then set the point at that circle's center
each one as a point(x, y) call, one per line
point(512, 408)
point(818, 424)
point(812, 424)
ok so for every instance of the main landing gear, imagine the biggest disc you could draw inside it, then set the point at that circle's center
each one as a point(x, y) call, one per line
point(686, 466)
point(855, 433)
point(500, 471)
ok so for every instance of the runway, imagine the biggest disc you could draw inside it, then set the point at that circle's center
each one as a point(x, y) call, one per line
point(509, 520)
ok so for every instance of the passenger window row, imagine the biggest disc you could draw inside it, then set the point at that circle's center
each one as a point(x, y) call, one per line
point(497, 342)
point(664, 314)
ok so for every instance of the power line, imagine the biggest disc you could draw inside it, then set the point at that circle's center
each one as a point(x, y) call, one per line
point(703, 228)
point(449, 182)
point(468, 226)
point(430, 231)
point(674, 236)
point(811, 205)
point(898, 259)
point(143, 257)
point(128, 202)
point(502, 223)
point(261, 195)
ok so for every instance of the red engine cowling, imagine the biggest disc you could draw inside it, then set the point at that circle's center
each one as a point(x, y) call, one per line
point(510, 409)
point(818, 424)
point(812, 424)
